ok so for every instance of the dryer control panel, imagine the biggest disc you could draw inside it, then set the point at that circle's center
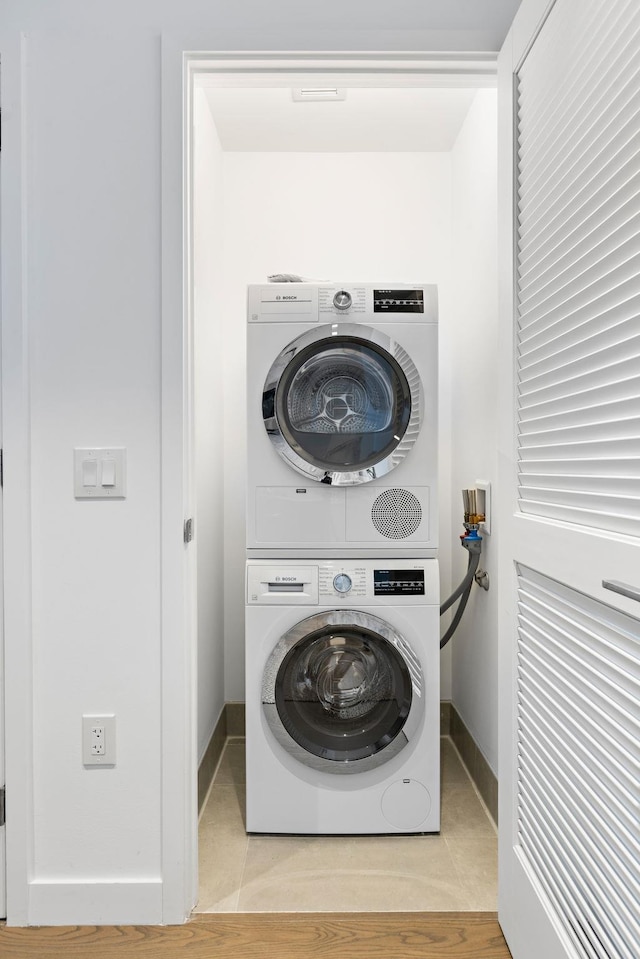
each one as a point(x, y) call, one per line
point(338, 300)
point(349, 583)
point(333, 302)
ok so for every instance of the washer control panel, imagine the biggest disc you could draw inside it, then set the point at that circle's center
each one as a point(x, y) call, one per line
point(338, 582)
point(398, 582)
point(342, 581)
point(372, 580)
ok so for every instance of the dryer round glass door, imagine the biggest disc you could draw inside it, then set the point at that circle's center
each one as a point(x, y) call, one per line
point(343, 404)
point(339, 689)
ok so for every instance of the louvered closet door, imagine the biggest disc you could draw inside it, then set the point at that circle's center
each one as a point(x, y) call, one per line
point(570, 481)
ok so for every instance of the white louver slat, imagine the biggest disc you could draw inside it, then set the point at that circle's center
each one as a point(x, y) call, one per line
point(578, 804)
point(578, 269)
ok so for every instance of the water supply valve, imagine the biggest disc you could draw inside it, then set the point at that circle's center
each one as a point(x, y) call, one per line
point(472, 542)
point(471, 539)
point(473, 509)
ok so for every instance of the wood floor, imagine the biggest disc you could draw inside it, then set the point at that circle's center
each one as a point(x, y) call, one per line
point(271, 936)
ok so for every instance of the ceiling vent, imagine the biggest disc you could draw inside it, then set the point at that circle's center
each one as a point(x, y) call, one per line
point(302, 94)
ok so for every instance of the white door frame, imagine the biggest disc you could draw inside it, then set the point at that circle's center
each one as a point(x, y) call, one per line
point(18, 667)
point(182, 62)
point(3, 853)
point(181, 59)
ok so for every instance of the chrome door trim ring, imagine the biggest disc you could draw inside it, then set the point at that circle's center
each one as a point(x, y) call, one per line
point(366, 335)
point(321, 765)
point(342, 617)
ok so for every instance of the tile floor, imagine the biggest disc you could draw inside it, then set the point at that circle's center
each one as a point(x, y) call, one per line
point(456, 870)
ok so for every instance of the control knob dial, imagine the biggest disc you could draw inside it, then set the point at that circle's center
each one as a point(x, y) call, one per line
point(342, 300)
point(342, 583)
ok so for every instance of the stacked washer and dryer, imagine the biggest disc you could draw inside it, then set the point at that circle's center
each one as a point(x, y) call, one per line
point(342, 602)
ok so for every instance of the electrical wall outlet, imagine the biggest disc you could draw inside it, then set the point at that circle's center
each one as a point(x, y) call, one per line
point(99, 740)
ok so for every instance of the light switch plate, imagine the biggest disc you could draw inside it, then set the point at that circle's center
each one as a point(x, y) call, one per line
point(110, 467)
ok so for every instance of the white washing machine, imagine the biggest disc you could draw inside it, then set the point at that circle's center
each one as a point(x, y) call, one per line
point(343, 696)
point(342, 420)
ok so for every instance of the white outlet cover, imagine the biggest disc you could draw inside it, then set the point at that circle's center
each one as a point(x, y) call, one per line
point(96, 456)
point(108, 758)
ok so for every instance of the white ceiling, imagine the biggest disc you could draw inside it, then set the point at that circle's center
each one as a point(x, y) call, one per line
point(368, 120)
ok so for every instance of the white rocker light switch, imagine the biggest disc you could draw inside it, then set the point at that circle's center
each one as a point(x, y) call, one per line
point(109, 472)
point(90, 472)
point(99, 472)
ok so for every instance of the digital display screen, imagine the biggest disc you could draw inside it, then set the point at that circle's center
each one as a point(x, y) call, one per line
point(398, 301)
point(398, 582)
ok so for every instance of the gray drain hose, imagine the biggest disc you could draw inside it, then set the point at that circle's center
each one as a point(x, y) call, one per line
point(464, 591)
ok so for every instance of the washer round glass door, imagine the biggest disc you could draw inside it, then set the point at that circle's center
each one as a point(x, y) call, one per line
point(338, 691)
point(342, 404)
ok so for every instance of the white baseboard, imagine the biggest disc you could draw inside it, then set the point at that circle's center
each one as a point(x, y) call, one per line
point(59, 903)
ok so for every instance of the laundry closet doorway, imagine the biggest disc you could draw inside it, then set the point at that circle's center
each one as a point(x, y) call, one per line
point(359, 198)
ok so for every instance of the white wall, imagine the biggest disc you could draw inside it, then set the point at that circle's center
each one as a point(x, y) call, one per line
point(474, 391)
point(209, 415)
point(82, 188)
point(92, 307)
point(339, 216)
point(431, 25)
point(277, 217)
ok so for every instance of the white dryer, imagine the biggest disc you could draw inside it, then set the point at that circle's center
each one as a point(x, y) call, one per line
point(342, 697)
point(342, 419)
